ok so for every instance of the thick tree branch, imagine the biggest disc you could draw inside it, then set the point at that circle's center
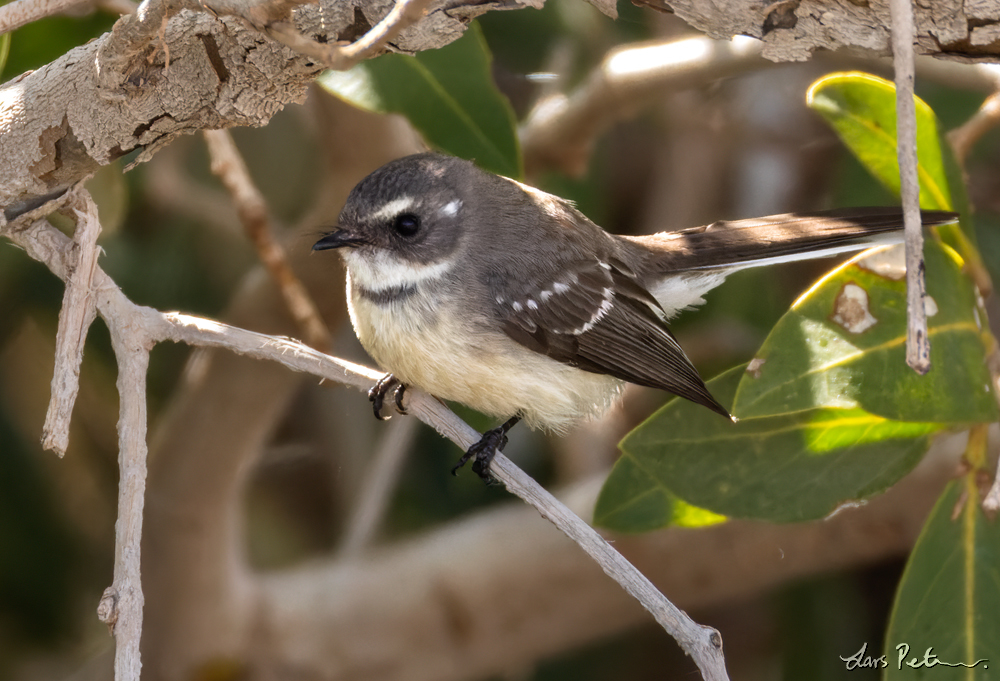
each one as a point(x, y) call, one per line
point(793, 31)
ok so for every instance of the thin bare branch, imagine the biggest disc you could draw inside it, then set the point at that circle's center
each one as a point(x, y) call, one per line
point(991, 502)
point(985, 119)
point(45, 243)
point(77, 313)
point(22, 12)
point(132, 351)
point(228, 164)
point(342, 57)
point(918, 345)
point(377, 487)
point(561, 129)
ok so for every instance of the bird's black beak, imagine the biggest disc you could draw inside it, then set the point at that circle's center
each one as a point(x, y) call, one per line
point(338, 238)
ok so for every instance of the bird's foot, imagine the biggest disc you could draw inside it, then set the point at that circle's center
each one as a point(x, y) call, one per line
point(377, 395)
point(482, 452)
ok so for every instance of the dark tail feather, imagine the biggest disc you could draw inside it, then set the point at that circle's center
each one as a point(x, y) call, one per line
point(783, 238)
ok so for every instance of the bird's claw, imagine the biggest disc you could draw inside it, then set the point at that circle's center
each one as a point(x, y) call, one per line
point(378, 392)
point(484, 451)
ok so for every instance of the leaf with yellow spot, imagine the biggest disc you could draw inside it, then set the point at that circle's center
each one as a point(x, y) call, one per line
point(843, 345)
point(787, 468)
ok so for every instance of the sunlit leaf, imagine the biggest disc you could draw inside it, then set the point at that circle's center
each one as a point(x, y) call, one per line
point(843, 345)
point(861, 108)
point(632, 501)
point(787, 468)
point(949, 597)
point(447, 94)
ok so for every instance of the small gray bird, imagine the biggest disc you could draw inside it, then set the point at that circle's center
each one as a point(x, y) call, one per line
point(480, 289)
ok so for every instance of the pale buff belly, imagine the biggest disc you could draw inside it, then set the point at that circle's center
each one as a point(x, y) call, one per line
point(423, 348)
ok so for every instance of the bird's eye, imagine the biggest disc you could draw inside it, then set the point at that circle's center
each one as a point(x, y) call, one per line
point(406, 224)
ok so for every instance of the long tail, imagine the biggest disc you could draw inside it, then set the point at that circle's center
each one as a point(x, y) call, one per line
point(737, 244)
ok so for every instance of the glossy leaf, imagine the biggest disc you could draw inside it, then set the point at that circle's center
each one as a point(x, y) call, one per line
point(842, 345)
point(447, 94)
point(861, 108)
point(632, 501)
point(946, 608)
point(789, 468)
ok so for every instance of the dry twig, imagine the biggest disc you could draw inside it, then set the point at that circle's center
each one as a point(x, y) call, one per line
point(376, 489)
point(342, 57)
point(77, 313)
point(228, 164)
point(918, 345)
point(561, 129)
point(985, 119)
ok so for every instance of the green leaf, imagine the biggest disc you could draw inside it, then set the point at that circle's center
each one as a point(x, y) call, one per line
point(949, 595)
point(631, 501)
point(861, 108)
point(4, 50)
point(843, 343)
point(788, 468)
point(447, 94)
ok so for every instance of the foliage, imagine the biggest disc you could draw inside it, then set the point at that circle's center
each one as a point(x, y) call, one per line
point(447, 94)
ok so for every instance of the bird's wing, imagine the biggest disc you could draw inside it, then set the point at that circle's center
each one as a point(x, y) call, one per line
point(597, 317)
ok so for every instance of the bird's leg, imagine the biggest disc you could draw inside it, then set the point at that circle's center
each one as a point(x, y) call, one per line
point(377, 395)
point(489, 444)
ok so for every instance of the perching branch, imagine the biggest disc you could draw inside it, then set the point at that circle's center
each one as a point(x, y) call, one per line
point(134, 327)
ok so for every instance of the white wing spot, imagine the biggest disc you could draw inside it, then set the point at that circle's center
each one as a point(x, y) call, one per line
point(545, 295)
point(517, 306)
point(604, 309)
point(560, 287)
point(532, 305)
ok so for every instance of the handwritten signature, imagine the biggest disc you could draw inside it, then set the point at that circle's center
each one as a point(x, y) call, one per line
point(862, 660)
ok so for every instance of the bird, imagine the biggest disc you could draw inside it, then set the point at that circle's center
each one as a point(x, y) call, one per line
point(488, 292)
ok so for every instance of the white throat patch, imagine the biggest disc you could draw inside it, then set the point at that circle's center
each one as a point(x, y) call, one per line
point(381, 271)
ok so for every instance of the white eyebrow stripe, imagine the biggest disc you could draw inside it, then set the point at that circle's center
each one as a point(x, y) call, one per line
point(451, 208)
point(394, 208)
